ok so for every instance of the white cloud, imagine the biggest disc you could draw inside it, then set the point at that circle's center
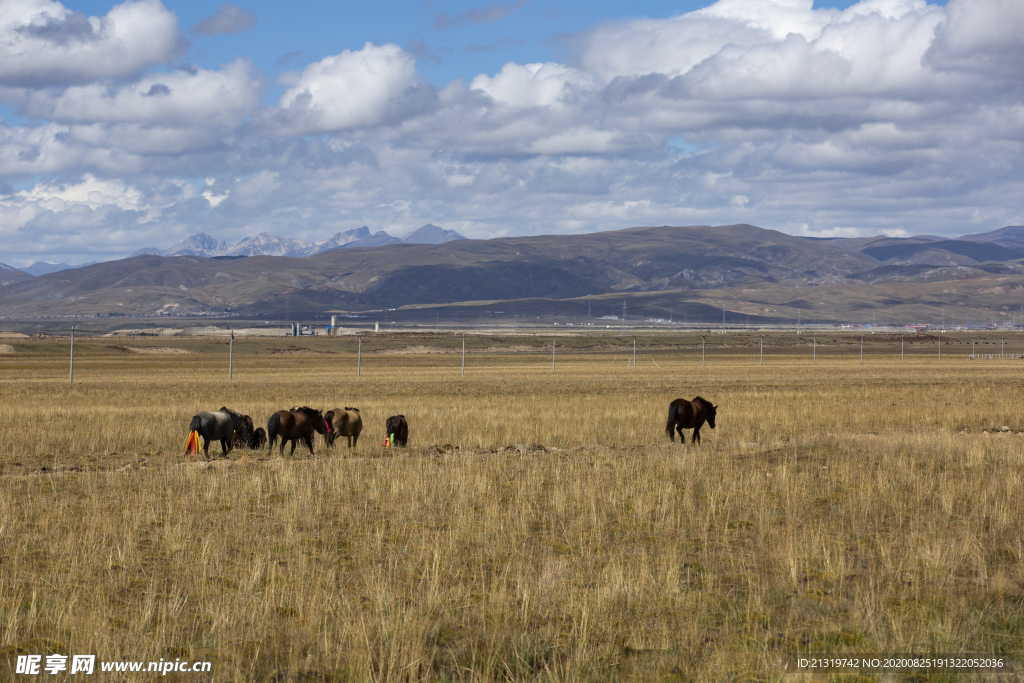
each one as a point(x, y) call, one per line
point(157, 99)
point(350, 90)
point(534, 85)
point(42, 42)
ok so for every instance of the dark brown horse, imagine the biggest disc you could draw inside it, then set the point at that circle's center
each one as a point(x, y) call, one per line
point(297, 424)
point(683, 414)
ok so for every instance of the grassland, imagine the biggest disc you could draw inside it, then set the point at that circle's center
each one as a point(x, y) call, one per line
point(538, 527)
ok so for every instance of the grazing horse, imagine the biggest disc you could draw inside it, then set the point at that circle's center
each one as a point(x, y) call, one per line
point(259, 438)
point(397, 425)
point(345, 422)
point(683, 414)
point(297, 424)
point(255, 436)
point(218, 426)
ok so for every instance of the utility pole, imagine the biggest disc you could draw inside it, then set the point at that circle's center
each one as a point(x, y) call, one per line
point(71, 375)
point(634, 352)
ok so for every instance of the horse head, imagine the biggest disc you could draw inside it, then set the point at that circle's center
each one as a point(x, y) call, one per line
point(712, 410)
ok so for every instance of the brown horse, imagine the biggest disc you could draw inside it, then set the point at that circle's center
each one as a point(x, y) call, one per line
point(683, 414)
point(297, 424)
point(345, 422)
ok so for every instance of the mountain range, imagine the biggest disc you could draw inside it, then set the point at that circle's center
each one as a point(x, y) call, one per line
point(697, 271)
point(263, 244)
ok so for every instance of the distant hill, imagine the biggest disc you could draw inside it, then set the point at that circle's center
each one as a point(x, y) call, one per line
point(9, 275)
point(264, 244)
point(1011, 237)
point(431, 234)
point(977, 252)
point(41, 268)
point(763, 273)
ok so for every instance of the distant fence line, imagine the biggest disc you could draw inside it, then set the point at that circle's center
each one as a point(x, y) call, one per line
point(849, 344)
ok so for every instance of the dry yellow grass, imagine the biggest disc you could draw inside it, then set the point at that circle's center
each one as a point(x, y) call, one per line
point(837, 507)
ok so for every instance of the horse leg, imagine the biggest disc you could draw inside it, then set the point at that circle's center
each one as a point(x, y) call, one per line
point(206, 447)
point(682, 434)
point(225, 447)
point(294, 443)
point(352, 440)
point(309, 443)
point(696, 436)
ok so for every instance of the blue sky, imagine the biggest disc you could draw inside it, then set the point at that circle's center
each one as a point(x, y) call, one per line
point(135, 125)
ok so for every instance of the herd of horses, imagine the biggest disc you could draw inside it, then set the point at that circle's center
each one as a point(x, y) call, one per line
point(299, 424)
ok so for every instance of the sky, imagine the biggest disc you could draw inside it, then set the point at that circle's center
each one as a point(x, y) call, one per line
point(134, 125)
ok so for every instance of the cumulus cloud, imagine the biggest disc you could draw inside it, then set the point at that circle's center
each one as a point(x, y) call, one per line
point(229, 18)
point(180, 97)
point(351, 90)
point(534, 85)
point(42, 42)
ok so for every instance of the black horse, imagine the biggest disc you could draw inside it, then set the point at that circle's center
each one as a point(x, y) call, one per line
point(683, 414)
point(397, 425)
point(252, 437)
point(219, 426)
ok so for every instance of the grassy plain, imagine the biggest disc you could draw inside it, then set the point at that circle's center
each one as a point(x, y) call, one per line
point(538, 527)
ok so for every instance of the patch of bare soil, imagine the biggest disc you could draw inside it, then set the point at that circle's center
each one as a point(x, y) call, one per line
point(150, 349)
point(516, 348)
point(6, 348)
point(302, 350)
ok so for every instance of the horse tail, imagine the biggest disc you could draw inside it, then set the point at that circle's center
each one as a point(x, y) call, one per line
point(195, 425)
point(273, 424)
point(673, 410)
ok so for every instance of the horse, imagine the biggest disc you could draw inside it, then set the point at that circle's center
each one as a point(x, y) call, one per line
point(294, 425)
point(345, 422)
point(218, 426)
point(397, 425)
point(255, 438)
point(683, 414)
point(259, 438)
